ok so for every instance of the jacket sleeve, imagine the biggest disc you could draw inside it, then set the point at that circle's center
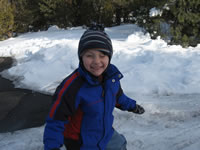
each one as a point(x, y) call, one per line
point(65, 103)
point(53, 134)
point(123, 102)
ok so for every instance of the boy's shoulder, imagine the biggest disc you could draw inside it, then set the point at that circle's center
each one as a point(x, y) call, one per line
point(75, 74)
point(72, 80)
point(112, 69)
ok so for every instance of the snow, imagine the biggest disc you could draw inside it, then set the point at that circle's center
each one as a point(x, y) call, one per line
point(155, 12)
point(164, 79)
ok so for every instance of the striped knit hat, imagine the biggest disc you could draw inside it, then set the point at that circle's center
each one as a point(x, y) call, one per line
point(95, 37)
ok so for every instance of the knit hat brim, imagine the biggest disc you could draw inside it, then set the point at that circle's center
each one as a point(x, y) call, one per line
point(104, 51)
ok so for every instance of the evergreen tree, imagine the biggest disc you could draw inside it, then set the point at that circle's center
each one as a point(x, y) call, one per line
point(77, 12)
point(185, 18)
point(22, 15)
point(6, 19)
point(122, 10)
point(154, 24)
point(182, 16)
point(37, 21)
point(88, 11)
point(55, 12)
point(108, 13)
point(102, 11)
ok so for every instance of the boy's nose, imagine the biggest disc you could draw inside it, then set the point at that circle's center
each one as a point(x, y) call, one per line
point(97, 60)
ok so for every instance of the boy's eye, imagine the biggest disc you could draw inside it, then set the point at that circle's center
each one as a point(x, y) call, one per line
point(102, 55)
point(88, 55)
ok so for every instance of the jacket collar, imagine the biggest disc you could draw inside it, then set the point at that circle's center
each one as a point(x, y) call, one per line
point(111, 73)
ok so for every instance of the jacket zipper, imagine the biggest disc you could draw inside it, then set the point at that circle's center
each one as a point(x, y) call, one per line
point(103, 96)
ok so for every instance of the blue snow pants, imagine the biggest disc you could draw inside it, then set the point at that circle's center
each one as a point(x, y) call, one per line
point(117, 142)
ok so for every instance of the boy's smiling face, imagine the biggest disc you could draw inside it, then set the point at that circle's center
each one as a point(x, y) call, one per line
point(95, 61)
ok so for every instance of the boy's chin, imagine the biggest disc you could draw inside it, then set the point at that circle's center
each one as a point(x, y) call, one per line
point(97, 74)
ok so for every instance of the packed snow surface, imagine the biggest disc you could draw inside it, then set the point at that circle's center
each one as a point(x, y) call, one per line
point(164, 79)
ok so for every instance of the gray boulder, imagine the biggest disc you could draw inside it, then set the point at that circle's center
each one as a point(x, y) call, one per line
point(20, 108)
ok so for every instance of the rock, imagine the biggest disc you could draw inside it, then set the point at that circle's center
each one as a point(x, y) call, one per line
point(9, 100)
point(20, 108)
point(6, 85)
point(5, 63)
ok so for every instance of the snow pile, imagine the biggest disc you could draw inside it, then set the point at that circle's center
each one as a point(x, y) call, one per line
point(149, 66)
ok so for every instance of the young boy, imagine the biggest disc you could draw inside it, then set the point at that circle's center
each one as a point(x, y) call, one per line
point(81, 115)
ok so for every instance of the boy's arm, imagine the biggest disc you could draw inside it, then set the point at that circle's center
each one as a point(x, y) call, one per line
point(53, 134)
point(125, 103)
point(65, 103)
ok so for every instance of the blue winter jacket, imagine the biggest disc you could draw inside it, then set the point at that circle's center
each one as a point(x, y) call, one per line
point(82, 110)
